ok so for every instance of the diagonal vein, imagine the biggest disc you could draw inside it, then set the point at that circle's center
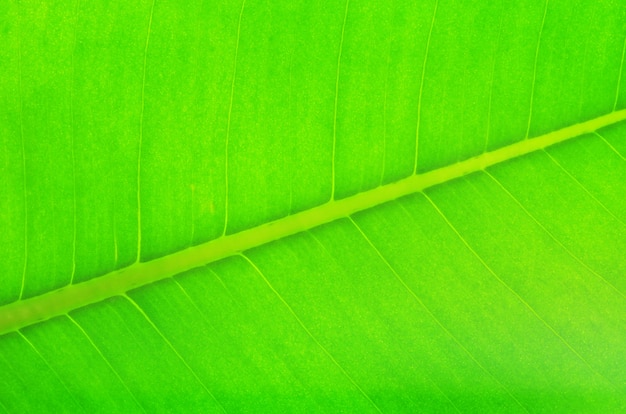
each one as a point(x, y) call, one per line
point(141, 116)
point(73, 140)
point(585, 189)
point(553, 237)
point(21, 112)
point(343, 30)
point(610, 145)
point(61, 301)
point(419, 99)
point(514, 293)
point(491, 82)
point(386, 95)
point(432, 315)
point(16, 373)
point(54, 372)
point(309, 333)
point(330, 255)
point(106, 361)
point(619, 76)
point(230, 112)
point(532, 91)
point(171, 346)
point(195, 305)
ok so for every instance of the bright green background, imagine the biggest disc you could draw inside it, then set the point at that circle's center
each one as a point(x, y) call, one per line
point(503, 291)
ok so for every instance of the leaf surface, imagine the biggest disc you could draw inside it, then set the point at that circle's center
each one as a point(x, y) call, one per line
point(303, 207)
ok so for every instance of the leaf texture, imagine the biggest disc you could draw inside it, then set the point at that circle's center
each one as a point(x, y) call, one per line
point(133, 133)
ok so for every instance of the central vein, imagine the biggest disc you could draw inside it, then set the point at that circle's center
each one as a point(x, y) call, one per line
point(26, 312)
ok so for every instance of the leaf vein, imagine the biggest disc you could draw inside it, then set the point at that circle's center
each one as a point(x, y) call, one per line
point(72, 140)
point(619, 76)
point(309, 333)
point(54, 372)
point(610, 145)
point(141, 118)
point(23, 139)
point(171, 346)
point(420, 303)
point(333, 156)
point(228, 122)
point(585, 189)
point(552, 236)
point(419, 99)
point(86, 335)
point(532, 91)
point(510, 289)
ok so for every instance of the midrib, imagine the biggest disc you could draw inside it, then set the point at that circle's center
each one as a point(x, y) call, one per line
point(26, 312)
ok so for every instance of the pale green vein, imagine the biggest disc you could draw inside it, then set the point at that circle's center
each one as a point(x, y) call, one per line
point(419, 99)
point(60, 301)
point(6, 395)
point(192, 189)
point(532, 91)
point(15, 374)
point(553, 237)
point(73, 139)
point(54, 372)
point(303, 326)
point(291, 106)
point(219, 279)
point(195, 306)
point(21, 112)
point(514, 293)
point(583, 70)
point(610, 146)
point(491, 81)
point(432, 315)
point(141, 116)
point(115, 243)
point(106, 361)
point(230, 113)
point(619, 76)
point(386, 94)
point(585, 189)
point(329, 254)
point(343, 30)
point(178, 355)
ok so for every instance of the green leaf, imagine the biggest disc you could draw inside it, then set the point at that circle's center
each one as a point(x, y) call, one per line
point(304, 207)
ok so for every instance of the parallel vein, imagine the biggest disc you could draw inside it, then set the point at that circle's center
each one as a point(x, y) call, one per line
point(585, 189)
point(333, 156)
point(619, 76)
point(143, 106)
point(532, 91)
point(419, 100)
point(310, 334)
point(433, 317)
point(106, 361)
point(52, 370)
point(553, 237)
point(21, 113)
point(228, 122)
point(73, 140)
point(171, 346)
point(514, 292)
